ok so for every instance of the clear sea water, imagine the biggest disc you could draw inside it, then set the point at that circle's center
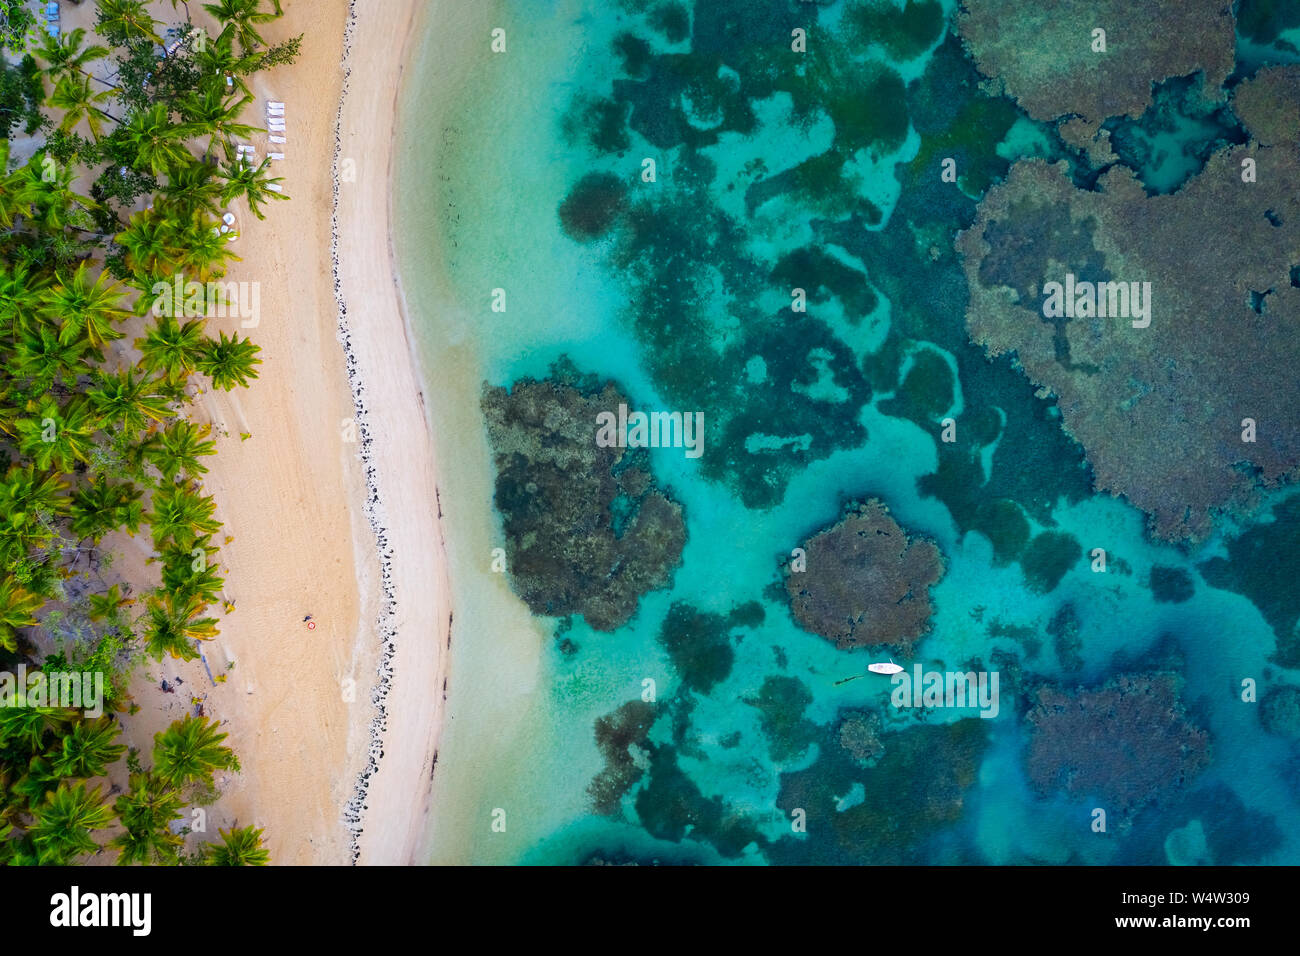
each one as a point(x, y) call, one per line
point(722, 769)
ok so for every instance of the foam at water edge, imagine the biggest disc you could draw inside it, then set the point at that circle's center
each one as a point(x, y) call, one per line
point(374, 509)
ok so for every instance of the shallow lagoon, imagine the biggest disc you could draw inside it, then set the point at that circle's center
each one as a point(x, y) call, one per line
point(685, 305)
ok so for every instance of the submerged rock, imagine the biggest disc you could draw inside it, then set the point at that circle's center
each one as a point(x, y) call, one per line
point(587, 531)
point(1171, 585)
point(1279, 711)
point(1183, 415)
point(1263, 563)
point(867, 582)
point(860, 737)
point(1126, 744)
point(617, 735)
point(699, 643)
point(593, 206)
point(1048, 57)
point(916, 788)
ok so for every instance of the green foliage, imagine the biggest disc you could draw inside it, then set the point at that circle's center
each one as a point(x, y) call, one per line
point(282, 54)
point(95, 441)
point(190, 751)
point(21, 96)
point(238, 847)
point(16, 23)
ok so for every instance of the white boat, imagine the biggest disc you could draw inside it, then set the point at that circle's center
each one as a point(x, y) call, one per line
point(883, 668)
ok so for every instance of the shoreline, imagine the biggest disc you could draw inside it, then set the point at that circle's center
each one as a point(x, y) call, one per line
point(288, 488)
point(396, 781)
point(337, 516)
point(353, 810)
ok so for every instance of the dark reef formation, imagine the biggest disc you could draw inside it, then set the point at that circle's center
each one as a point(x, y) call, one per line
point(1171, 585)
point(586, 529)
point(593, 207)
point(617, 734)
point(699, 644)
point(1160, 410)
point(1263, 564)
point(860, 737)
point(1126, 744)
point(781, 703)
point(1279, 711)
point(916, 787)
point(867, 582)
point(1047, 558)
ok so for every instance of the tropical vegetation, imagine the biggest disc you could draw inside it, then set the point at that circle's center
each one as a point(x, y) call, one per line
point(131, 135)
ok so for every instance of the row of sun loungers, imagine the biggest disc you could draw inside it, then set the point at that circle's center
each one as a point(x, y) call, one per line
point(276, 127)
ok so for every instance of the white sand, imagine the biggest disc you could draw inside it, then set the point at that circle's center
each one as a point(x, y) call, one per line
point(316, 527)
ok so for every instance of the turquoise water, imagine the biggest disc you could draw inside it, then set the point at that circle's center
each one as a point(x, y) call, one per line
point(824, 165)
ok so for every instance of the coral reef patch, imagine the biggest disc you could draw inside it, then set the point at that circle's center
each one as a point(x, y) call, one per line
point(867, 582)
point(587, 531)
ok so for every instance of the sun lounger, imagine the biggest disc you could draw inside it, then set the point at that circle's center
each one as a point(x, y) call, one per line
point(277, 139)
point(275, 187)
point(271, 104)
point(275, 155)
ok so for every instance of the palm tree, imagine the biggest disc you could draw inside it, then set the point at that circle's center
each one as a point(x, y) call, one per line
point(171, 553)
point(242, 15)
point(202, 249)
point(20, 296)
point(109, 605)
point(73, 95)
point(172, 625)
point(251, 182)
point(182, 515)
point(42, 359)
point(190, 750)
point(172, 347)
point(55, 436)
point(211, 111)
point(127, 401)
point(26, 498)
point(85, 307)
point(159, 144)
point(26, 727)
point(191, 190)
point(148, 244)
point(64, 823)
point(125, 19)
point(17, 189)
point(238, 847)
point(89, 748)
point(218, 60)
point(101, 506)
point(64, 56)
point(181, 580)
point(147, 811)
point(54, 204)
point(18, 608)
point(229, 362)
point(178, 447)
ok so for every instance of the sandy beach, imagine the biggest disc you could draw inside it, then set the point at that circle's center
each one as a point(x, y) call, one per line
point(324, 483)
